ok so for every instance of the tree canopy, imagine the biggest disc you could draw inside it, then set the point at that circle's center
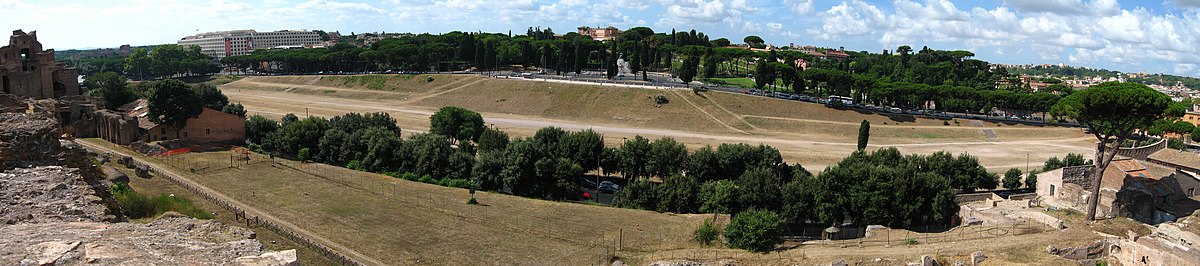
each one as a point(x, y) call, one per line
point(457, 123)
point(172, 103)
point(1112, 111)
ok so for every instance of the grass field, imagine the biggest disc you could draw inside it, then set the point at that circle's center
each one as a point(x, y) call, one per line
point(807, 133)
point(158, 185)
point(404, 222)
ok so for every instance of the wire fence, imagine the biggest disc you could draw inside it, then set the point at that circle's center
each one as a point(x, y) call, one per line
point(251, 219)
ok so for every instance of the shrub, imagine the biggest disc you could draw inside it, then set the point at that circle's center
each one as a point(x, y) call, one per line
point(706, 234)
point(354, 165)
point(427, 179)
point(910, 241)
point(256, 148)
point(945, 123)
point(429, 79)
point(135, 205)
point(755, 230)
point(1031, 179)
point(409, 176)
point(1012, 178)
point(661, 99)
point(303, 155)
point(456, 182)
point(472, 201)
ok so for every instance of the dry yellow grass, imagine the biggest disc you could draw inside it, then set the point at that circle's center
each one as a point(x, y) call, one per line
point(404, 222)
point(806, 133)
point(157, 185)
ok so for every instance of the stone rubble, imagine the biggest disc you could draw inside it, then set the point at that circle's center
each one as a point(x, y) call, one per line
point(55, 209)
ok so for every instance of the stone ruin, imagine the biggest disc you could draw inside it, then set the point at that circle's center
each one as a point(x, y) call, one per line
point(55, 208)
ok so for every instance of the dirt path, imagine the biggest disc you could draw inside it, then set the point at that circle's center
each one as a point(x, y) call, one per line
point(810, 148)
point(706, 113)
point(251, 211)
point(431, 95)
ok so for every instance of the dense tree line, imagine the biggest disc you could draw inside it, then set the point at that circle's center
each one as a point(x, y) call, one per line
point(168, 60)
point(882, 187)
point(641, 47)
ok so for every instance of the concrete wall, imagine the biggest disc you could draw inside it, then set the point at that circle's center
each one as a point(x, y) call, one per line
point(211, 126)
point(1142, 152)
point(960, 198)
point(1046, 180)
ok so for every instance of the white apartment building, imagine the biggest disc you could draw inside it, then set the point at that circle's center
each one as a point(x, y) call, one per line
point(223, 44)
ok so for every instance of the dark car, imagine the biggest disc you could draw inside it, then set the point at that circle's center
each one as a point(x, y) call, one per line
point(588, 184)
point(609, 187)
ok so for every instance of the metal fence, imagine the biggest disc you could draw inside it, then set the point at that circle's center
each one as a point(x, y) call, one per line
point(251, 219)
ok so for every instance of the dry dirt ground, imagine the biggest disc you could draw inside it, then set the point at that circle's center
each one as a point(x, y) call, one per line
point(403, 222)
point(806, 133)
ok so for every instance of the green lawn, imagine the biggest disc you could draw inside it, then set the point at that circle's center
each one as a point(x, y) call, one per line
point(740, 82)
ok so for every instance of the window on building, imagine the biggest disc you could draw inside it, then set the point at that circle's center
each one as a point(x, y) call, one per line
point(207, 131)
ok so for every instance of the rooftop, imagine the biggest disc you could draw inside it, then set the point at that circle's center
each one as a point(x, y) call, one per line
point(1180, 158)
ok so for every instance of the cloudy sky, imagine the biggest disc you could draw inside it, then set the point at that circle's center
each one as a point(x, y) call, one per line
point(1154, 36)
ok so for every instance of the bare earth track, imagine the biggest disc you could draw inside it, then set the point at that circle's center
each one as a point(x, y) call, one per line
point(810, 134)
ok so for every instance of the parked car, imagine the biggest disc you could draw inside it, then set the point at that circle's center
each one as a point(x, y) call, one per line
point(609, 187)
point(588, 184)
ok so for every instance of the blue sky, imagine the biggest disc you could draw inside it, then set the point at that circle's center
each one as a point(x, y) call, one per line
point(1131, 36)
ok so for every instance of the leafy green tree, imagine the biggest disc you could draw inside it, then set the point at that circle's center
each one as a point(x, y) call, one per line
point(456, 123)
point(381, 144)
point(1031, 180)
point(259, 127)
point(667, 157)
point(138, 63)
point(634, 157)
point(332, 147)
point(710, 65)
point(558, 177)
point(234, 109)
point(430, 155)
point(492, 140)
point(488, 170)
point(718, 196)
point(1196, 134)
point(763, 74)
point(678, 194)
point(352, 122)
point(760, 188)
point(293, 136)
point(638, 194)
point(753, 41)
point(755, 230)
point(172, 103)
point(688, 69)
point(1012, 178)
point(288, 119)
point(798, 200)
point(111, 87)
point(212, 97)
point(1112, 111)
point(703, 163)
point(864, 134)
point(583, 147)
point(1052, 163)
